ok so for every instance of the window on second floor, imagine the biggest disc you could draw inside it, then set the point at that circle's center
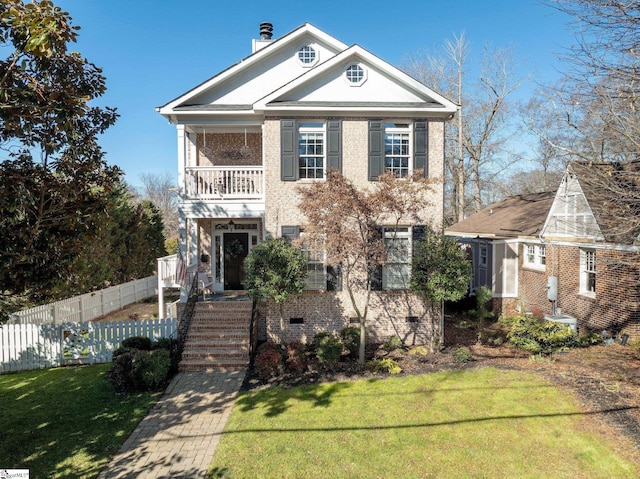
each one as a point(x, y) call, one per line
point(399, 147)
point(535, 256)
point(308, 148)
point(311, 150)
point(588, 272)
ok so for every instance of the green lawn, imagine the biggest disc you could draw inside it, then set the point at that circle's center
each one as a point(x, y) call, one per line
point(65, 422)
point(469, 424)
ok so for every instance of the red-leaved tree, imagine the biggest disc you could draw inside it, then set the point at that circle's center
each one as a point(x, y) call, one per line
point(348, 219)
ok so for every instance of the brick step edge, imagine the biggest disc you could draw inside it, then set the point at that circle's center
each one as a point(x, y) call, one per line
point(209, 366)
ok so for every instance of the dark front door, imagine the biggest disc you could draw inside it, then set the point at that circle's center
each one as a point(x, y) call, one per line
point(236, 248)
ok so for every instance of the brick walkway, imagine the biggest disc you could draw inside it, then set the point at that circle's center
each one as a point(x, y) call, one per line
point(178, 437)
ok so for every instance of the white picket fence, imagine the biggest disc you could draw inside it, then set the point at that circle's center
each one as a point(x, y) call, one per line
point(35, 346)
point(88, 306)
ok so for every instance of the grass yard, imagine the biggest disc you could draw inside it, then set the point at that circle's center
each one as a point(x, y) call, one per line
point(65, 422)
point(465, 424)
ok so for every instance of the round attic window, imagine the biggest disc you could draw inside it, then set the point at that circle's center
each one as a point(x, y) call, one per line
point(307, 55)
point(355, 74)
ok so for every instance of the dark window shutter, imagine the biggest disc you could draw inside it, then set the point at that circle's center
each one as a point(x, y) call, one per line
point(418, 233)
point(288, 151)
point(290, 232)
point(421, 146)
point(376, 149)
point(334, 278)
point(375, 271)
point(375, 278)
point(334, 145)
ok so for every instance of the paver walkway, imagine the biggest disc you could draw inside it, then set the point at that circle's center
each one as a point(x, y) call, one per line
point(180, 433)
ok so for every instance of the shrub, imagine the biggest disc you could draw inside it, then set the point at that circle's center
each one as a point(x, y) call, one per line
point(164, 343)
point(328, 349)
point(350, 336)
point(419, 351)
point(386, 365)
point(152, 369)
point(393, 343)
point(139, 370)
point(540, 337)
point(296, 361)
point(462, 355)
point(137, 342)
point(268, 361)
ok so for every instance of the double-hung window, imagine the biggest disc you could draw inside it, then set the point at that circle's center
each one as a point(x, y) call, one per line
point(311, 150)
point(397, 148)
point(313, 249)
point(309, 147)
point(397, 269)
point(535, 256)
point(400, 147)
point(588, 271)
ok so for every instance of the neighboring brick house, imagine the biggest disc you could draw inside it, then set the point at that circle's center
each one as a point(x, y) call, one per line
point(249, 136)
point(565, 254)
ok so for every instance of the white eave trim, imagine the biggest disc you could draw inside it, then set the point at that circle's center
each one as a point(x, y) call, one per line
point(357, 53)
point(270, 49)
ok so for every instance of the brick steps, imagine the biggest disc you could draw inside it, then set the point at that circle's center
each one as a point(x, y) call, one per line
point(218, 337)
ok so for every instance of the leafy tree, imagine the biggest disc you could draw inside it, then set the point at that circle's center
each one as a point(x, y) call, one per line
point(349, 220)
point(276, 270)
point(440, 272)
point(54, 183)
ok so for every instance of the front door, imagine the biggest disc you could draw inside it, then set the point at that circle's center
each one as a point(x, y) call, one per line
point(236, 248)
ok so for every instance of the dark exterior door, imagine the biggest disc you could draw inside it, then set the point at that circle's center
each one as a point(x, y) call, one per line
point(236, 248)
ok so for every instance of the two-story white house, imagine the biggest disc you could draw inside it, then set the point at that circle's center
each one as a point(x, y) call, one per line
point(282, 116)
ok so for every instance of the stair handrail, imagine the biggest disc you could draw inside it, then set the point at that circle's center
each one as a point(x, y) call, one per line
point(186, 315)
point(253, 331)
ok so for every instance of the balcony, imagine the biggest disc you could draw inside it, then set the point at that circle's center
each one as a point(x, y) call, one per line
point(224, 183)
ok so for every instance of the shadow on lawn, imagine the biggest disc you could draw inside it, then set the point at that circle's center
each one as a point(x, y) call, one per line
point(275, 399)
point(433, 424)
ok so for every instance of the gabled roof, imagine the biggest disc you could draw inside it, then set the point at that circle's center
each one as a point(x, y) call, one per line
point(401, 90)
point(612, 191)
point(515, 216)
point(246, 63)
point(270, 81)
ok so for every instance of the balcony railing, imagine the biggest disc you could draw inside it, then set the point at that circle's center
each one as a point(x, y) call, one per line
point(225, 182)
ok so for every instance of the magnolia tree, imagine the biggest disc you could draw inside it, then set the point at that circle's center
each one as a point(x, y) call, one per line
point(275, 270)
point(348, 219)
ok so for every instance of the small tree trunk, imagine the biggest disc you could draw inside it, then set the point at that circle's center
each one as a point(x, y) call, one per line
point(282, 336)
point(362, 341)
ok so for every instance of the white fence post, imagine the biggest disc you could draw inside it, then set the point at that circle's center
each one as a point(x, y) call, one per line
point(88, 306)
point(35, 346)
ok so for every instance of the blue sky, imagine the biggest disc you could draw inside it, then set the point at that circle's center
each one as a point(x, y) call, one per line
point(151, 51)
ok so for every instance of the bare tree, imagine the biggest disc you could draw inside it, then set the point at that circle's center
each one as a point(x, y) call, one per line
point(476, 146)
point(161, 190)
point(591, 117)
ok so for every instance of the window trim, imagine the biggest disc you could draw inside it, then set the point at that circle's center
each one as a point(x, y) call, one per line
point(400, 131)
point(393, 233)
point(362, 73)
point(310, 261)
point(588, 276)
point(302, 50)
point(483, 259)
point(539, 253)
point(304, 127)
